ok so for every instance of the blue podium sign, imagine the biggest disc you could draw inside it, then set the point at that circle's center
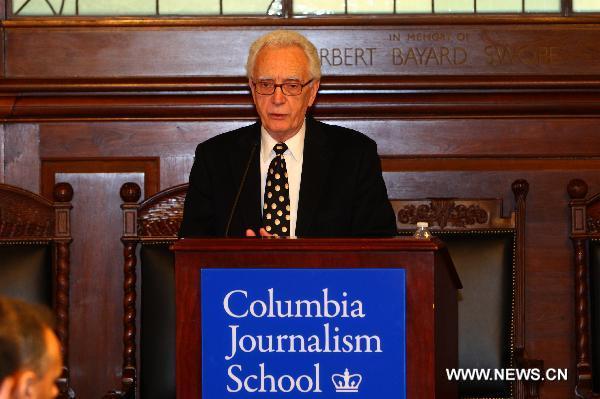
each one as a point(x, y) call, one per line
point(303, 333)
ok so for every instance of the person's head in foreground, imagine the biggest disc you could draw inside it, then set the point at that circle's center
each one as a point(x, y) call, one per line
point(30, 356)
point(284, 73)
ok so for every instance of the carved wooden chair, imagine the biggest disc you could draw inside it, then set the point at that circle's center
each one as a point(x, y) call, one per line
point(488, 250)
point(585, 236)
point(35, 235)
point(151, 225)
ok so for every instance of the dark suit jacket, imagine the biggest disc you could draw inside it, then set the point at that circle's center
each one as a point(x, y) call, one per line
point(342, 192)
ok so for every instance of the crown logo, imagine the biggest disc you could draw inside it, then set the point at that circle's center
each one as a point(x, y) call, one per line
point(346, 382)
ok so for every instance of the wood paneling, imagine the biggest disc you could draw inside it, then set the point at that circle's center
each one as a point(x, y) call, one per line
point(122, 139)
point(172, 143)
point(2, 53)
point(21, 156)
point(483, 137)
point(148, 167)
point(524, 49)
point(2, 137)
point(100, 102)
point(96, 281)
point(457, 137)
point(478, 157)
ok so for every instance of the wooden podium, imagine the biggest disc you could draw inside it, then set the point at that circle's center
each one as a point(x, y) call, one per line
point(431, 297)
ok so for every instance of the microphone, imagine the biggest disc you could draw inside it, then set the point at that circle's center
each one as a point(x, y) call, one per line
point(239, 192)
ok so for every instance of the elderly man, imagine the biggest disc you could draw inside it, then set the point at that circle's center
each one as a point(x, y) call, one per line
point(287, 175)
point(30, 358)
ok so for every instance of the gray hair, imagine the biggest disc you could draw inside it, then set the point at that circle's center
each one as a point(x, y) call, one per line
point(285, 38)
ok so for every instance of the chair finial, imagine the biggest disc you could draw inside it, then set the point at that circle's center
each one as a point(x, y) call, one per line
point(520, 188)
point(63, 192)
point(577, 189)
point(130, 192)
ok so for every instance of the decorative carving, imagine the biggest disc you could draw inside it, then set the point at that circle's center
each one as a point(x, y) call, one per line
point(129, 318)
point(593, 225)
point(582, 208)
point(24, 216)
point(520, 188)
point(62, 310)
point(584, 372)
point(465, 215)
point(163, 218)
point(443, 212)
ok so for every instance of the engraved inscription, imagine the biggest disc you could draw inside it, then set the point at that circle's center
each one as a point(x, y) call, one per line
point(428, 36)
point(428, 56)
point(521, 55)
point(434, 49)
point(429, 48)
point(348, 56)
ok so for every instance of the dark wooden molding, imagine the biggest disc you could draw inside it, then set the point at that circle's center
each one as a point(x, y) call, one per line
point(346, 103)
point(329, 84)
point(299, 21)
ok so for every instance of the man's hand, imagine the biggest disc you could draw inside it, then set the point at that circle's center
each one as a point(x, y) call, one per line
point(262, 232)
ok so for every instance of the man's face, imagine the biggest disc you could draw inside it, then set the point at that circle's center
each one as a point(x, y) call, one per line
point(281, 115)
point(44, 386)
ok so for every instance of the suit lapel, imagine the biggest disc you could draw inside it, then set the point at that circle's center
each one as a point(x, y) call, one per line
point(249, 203)
point(315, 169)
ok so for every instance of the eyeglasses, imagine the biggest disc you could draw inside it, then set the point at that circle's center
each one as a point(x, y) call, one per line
point(289, 88)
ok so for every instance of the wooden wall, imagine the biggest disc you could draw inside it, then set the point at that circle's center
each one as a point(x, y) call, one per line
point(459, 106)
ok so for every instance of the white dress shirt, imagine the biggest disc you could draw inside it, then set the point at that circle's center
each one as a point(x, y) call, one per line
point(293, 161)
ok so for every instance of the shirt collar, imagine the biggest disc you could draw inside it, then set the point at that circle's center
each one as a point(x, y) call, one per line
point(295, 144)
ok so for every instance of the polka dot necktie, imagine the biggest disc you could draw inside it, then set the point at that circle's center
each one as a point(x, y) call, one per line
point(276, 209)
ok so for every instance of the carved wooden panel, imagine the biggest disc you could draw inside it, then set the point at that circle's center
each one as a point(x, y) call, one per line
point(161, 217)
point(524, 49)
point(24, 216)
point(448, 214)
point(593, 215)
point(434, 143)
